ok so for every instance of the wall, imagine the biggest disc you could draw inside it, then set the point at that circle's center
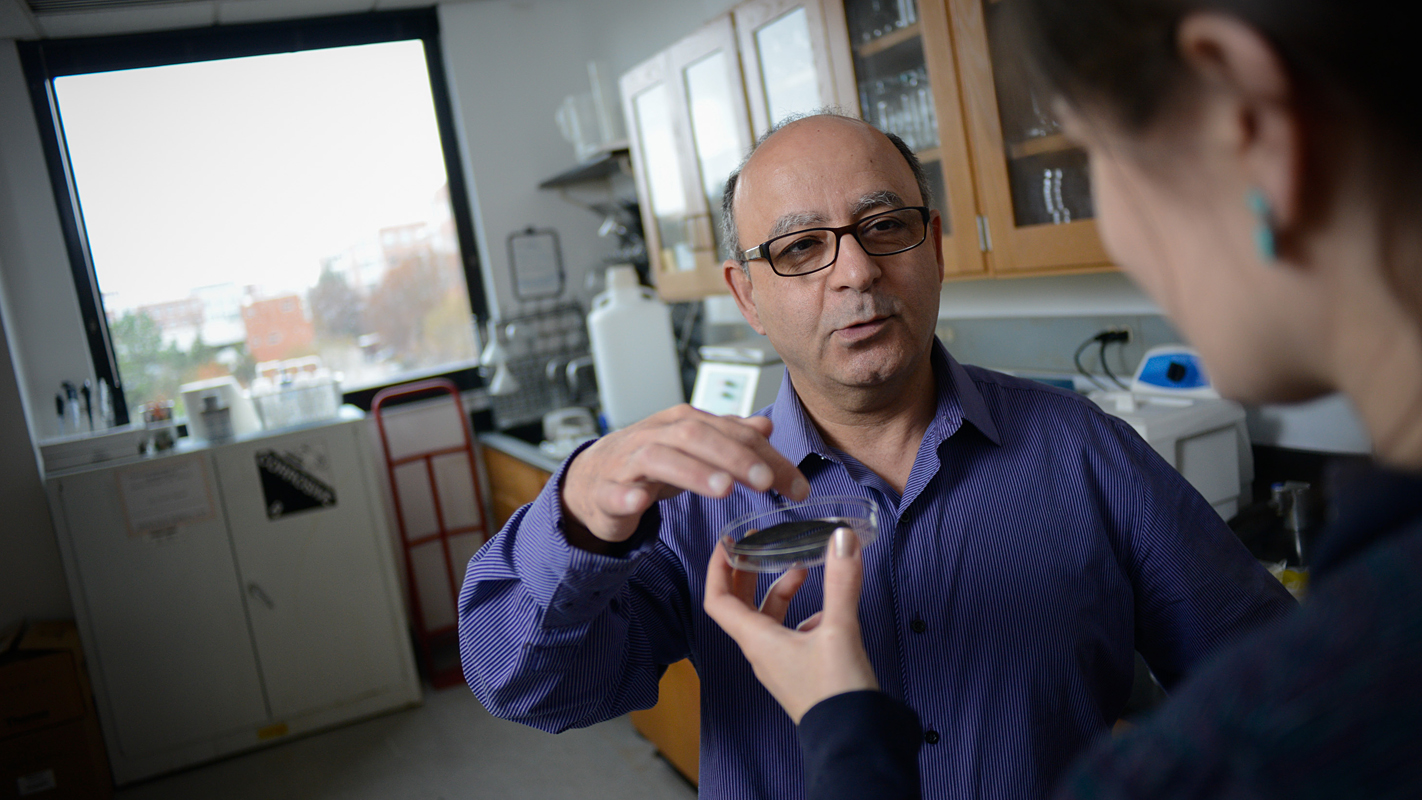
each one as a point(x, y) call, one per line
point(42, 310)
point(511, 63)
point(31, 579)
point(40, 330)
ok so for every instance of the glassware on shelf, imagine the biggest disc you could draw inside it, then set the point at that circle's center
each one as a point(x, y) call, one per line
point(872, 19)
point(1057, 209)
point(903, 105)
point(1050, 188)
point(895, 92)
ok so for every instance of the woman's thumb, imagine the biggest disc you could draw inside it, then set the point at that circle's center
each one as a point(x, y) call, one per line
point(844, 572)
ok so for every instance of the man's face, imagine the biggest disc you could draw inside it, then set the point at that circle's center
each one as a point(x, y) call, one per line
point(866, 319)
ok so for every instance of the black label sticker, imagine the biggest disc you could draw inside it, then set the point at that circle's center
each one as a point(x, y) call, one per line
point(294, 481)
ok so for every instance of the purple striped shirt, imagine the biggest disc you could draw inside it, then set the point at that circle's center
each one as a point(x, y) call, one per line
point(1038, 542)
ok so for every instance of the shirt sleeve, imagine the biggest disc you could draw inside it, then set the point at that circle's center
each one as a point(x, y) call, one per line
point(860, 746)
point(1196, 586)
point(557, 637)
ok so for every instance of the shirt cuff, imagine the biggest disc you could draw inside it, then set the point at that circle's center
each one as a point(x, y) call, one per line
point(861, 744)
point(572, 585)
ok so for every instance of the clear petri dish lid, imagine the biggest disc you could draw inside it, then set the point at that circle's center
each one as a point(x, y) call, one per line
point(796, 534)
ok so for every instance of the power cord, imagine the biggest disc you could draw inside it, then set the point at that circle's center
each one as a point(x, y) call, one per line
point(1101, 339)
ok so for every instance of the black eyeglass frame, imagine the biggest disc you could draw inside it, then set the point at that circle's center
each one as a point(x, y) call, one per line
point(762, 250)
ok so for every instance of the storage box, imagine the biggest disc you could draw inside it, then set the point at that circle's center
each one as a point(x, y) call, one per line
point(37, 690)
point(50, 744)
point(55, 763)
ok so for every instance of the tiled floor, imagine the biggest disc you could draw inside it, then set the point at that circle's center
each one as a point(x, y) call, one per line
point(448, 748)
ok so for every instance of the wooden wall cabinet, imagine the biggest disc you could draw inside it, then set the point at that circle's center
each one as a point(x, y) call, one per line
point(1034, 192)
point(1013, 193)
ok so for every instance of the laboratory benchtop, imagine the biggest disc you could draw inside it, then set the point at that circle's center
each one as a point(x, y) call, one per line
point(523, 451)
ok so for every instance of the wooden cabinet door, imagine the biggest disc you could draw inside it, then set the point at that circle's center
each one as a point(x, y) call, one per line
point(165, 629)
point(1032, 183)
point(907, 84)
point(682, 151)
point(316, 582)
point(512, 483)
point(793, 65)
point(674, 723)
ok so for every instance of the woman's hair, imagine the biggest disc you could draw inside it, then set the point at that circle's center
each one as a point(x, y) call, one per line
point(1354, 67)
point(1122, 53)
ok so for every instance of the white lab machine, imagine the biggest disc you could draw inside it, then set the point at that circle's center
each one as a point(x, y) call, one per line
point(1172, 405)
point(737, 378)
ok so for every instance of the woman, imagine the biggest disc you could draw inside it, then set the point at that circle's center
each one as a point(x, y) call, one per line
point(1257, 169)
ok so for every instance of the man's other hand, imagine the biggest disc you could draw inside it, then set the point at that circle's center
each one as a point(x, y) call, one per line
point(609, 485)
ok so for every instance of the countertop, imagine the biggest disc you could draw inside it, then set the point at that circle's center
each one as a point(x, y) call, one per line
point(523, 451)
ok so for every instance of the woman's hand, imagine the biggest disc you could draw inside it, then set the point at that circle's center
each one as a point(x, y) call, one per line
point(822, 657)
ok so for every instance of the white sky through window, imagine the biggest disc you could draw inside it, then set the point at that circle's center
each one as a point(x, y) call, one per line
point(248, 170)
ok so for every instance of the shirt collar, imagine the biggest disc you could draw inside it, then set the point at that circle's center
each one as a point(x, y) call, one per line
point(959, 401)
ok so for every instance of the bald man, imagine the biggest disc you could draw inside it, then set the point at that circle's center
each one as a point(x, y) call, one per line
point(1029, 543)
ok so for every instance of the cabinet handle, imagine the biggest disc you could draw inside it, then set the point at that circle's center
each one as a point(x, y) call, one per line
point(256, 591)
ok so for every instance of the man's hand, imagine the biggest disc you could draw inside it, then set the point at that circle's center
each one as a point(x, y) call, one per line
point(609, 485)
point(821, 658)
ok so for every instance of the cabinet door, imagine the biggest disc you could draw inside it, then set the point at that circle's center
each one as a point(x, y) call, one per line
point(676, 219)
point(708, 75)
point(512, 484)
point(790, 59)
point(1033, 183)
point(908, 85)
point(316, 584)
point(166, 632)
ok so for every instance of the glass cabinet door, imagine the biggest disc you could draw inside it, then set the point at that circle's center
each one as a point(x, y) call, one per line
point(652, 116)
point(1034, 184)
point(789, 67)
point(710, 77)
point(904, 74)
point(688, 130)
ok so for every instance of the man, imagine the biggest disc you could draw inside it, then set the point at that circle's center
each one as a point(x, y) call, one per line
point(1029, 542)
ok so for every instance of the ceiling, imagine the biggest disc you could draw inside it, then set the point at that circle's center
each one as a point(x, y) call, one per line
point(56, 19)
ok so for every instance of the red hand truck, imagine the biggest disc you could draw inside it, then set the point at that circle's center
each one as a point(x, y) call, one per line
point(438, 531)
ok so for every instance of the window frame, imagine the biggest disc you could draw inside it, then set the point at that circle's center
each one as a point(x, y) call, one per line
point(45, 60)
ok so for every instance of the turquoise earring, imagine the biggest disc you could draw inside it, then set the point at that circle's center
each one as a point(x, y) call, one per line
point(1264, 224)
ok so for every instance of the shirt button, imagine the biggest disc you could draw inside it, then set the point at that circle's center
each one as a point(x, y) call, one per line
point(931, 737)
point(918, 626)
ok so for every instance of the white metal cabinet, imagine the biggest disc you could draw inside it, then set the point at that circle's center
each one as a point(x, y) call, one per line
point(168, 646)
point(317, 595)
point(222, 634)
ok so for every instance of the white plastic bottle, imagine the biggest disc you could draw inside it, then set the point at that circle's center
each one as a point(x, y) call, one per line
point(633, 350)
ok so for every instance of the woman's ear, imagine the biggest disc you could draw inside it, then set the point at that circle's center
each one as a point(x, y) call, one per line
point(1251, 108)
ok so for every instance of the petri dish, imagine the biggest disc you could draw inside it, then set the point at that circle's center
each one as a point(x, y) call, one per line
point(796, 534)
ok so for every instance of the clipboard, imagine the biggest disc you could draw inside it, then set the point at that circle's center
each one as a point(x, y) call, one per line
point(536, 262)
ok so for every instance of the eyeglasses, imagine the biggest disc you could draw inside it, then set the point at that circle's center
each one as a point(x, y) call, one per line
point(813, 249)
